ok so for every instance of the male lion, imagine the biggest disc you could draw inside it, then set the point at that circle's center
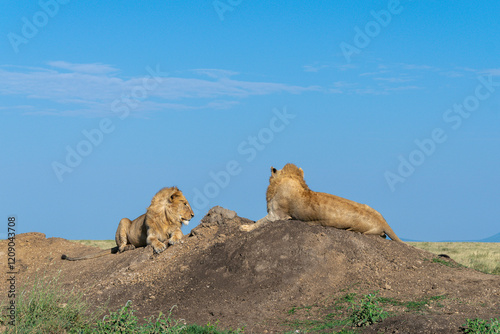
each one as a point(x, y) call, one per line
point(289, 197)
point(162, 221)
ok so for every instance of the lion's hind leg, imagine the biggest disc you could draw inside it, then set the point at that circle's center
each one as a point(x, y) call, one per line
point(375, 231)
point(121, 235)
point(271, 217)
point(251, 227)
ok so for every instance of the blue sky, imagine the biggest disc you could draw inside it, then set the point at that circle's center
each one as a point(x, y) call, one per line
point(395, 104)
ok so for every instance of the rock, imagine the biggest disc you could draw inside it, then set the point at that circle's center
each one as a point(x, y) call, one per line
point(218, 214)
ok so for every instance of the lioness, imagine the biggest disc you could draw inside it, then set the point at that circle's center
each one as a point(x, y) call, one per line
point(289, 197)
point(162, 221)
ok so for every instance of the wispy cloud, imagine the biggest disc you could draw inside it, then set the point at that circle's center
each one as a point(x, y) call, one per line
point(323, 66)
point(378, 78)
point(369, 91)
point(18, 107)
point(492, 71)
point(469, 72)
point(373, 73)
point(375, 77)
point(95, 68)
point(215, 73)
point(381, 79)
point(451, 74)
point(417, 67)
point(315, 67)
point(346, 67)
point(393, 79)
point(89, 89)
point(402, 88)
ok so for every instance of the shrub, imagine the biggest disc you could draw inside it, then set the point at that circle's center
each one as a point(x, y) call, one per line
point(480, 326)
point(367, 311)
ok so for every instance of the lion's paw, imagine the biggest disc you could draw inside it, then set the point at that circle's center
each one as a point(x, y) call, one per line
point(126, 247)
point(160, 247)
point(173, 241)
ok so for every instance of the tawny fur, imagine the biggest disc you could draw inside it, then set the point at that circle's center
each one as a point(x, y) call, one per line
point(289, 197)
point(162, 222)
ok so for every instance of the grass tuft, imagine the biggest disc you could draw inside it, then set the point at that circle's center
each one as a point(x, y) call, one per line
point(480, 326)
point(342, 314)
point(39, 309)
point(367, 311)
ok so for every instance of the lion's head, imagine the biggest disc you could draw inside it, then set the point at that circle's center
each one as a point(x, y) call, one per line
point(169, 204)
point(288, 171)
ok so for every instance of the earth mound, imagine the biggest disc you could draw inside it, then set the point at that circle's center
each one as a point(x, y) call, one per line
point(219, 273)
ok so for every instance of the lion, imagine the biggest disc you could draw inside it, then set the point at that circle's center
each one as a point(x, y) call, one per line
point(162, 222)
point(289, 197)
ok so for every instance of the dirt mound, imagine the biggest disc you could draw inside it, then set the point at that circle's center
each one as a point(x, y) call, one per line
point(253, 279)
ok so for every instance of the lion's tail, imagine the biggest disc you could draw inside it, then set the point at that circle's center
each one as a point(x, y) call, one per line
point(389, 232)
point(92, 256)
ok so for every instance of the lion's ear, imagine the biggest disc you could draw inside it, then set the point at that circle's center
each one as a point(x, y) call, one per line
point(174, 196)
point(301, 172)
point(273, 170)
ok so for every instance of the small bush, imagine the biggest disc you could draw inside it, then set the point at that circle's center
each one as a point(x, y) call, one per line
point(480, 326)
point(124, 321)
point(367, 311)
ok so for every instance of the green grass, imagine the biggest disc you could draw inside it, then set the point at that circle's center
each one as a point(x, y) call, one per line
point(414, 305)
point(342, 315)
point(419, 305)
point(367, 311)
point(480, 326)
point(124, 321)
point(40, 310)
point(482, 256)
point(45, 309)
point(350, 311)
point(447, 263)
